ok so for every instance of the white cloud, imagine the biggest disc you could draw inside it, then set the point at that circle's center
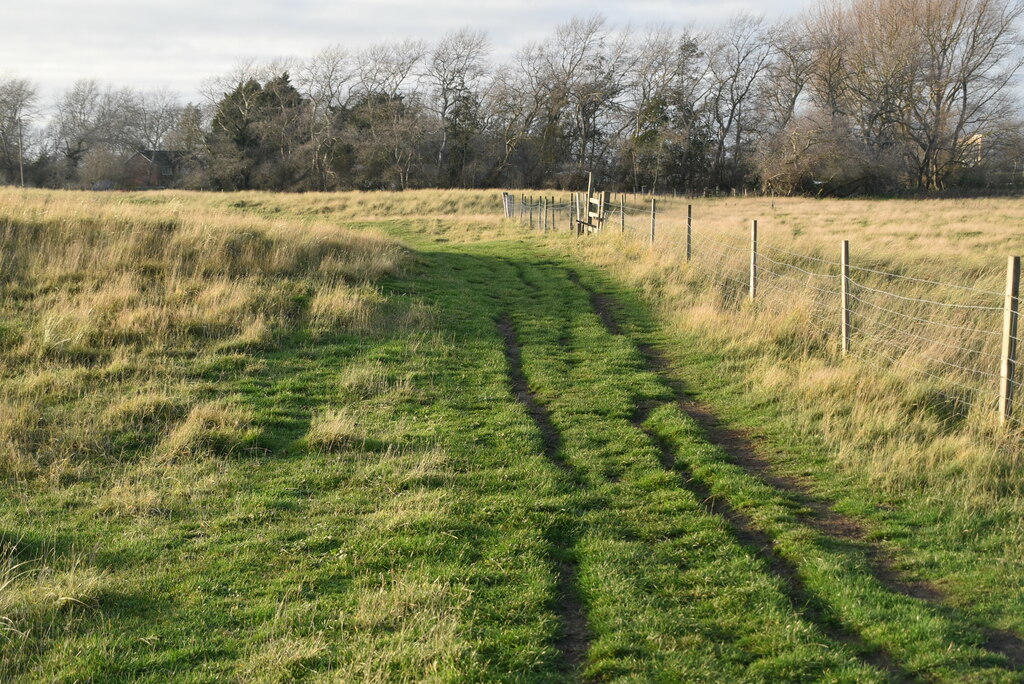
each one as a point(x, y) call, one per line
point(177, 45)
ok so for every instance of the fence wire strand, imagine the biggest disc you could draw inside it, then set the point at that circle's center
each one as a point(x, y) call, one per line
point(953, 341)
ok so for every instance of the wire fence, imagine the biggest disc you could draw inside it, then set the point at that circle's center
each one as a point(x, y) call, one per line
point(961, 337)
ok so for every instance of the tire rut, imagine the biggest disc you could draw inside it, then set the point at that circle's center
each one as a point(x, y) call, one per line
point(739, 524)
point(575, 639)
point(763, 546)
point(821, 516)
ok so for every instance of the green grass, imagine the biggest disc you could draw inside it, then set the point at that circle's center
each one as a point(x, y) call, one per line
point(356, 494)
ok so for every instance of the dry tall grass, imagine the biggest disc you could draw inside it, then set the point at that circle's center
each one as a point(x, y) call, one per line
point(113, 308)
point(99, 289)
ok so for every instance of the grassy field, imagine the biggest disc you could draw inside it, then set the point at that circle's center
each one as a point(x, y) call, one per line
point(374, 437)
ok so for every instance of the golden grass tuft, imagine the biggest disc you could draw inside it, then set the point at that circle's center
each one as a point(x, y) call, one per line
point(283, 658)
point(215, 428)
point(344, 308)
point(187, 464)
point(334, 430)
point(144, 409)
point(410, 623)
point(374, 380)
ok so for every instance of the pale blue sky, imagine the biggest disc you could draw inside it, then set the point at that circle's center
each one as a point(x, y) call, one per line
point(182, 42)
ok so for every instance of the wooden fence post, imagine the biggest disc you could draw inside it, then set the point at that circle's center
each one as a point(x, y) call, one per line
point(554, 214)
point(844, 260)
point(622, 213)
point(579, 214)
point(544, 214)
point(531, 212)
point(1009, 355)
point(654, 214)
point(689, 230)
point(753, 259)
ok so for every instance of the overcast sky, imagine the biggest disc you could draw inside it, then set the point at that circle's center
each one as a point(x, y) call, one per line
point(180, 43)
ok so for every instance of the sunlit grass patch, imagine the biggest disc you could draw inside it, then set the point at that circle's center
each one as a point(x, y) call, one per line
point(43, 595)
point(374, 380)
point(334, 430)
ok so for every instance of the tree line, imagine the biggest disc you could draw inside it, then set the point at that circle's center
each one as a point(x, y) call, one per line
point(851, 96)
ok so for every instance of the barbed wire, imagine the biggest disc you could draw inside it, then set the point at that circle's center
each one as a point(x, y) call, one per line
point(894, 345)
point(943, 381)
point(922, 300)
point(797, 268)
point(922, 280)
point(924, 320)
point(951, 345)
point(830, 262)
point(762, 270)
point(723, 244)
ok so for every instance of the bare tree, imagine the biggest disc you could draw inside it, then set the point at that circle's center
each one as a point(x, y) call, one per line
point(325, 80)
point(853, 95)
point(587, 64)
point(18, 99)
point(454, 69)
point(390, 122)
point(157, 114)
point(510, 109)
point(74, 128)
point(968, 52)
point(788, 74)
point(824, 29)
point(738, 58)
point(662, 102)
point(925, 79)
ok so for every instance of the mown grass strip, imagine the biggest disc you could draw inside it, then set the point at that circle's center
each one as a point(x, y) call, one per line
point(671, 593)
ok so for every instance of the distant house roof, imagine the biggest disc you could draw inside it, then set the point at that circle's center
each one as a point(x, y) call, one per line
point(164, 157)
point(156, 168)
